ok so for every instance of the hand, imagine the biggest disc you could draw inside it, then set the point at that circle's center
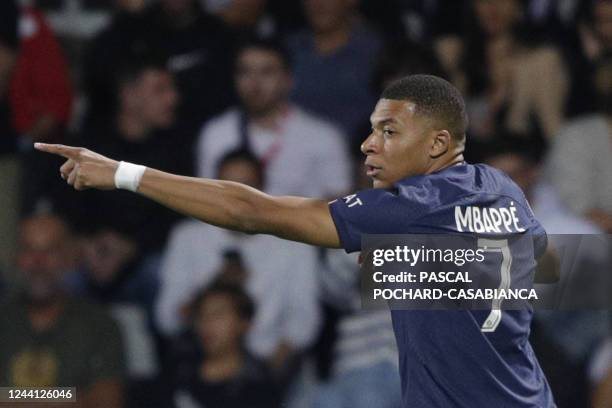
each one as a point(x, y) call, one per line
point(84, 168)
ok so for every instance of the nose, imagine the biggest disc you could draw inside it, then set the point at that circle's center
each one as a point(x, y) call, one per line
point(369, 145)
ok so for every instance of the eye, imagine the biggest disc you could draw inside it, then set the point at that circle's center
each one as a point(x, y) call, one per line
point(388, 132)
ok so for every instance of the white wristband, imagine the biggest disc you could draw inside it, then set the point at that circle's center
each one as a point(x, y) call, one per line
point(128, 175)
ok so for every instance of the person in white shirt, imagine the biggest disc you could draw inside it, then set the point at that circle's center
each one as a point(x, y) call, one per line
point(280, 276)
point(579, 165)
point(298, 150)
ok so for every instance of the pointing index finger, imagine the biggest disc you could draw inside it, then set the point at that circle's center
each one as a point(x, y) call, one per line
point(68, 152)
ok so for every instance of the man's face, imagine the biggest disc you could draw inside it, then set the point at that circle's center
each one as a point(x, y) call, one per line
point(153, 97)
point(44, 256)
point(327, 15)
point(497, 16)
point(218, 325)
point(603, 21)
point(399, 145)
point(262, 80)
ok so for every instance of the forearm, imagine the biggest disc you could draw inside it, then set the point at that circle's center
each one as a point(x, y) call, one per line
point(222, 203)
point(242, 208)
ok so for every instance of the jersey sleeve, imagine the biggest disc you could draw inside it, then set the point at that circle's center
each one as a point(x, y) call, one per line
point(374, 211)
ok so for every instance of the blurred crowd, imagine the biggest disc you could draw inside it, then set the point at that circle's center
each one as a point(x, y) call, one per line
point(138, 306)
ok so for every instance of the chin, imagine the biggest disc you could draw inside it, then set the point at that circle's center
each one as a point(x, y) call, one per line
point(380, 184)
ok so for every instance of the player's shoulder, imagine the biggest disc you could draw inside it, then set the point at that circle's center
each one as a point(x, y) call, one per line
point(474, 184)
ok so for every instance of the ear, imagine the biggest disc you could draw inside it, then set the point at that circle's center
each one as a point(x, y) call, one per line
point(441, 142)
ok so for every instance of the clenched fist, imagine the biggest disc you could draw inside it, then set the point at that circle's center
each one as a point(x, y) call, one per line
point(84, 168)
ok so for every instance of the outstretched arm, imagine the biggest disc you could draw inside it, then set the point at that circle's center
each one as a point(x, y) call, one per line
point(222, 203)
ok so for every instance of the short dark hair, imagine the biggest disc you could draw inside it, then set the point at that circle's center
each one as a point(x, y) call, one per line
point(434, 98)
point(243, 154)
point(270, 44)
point(131, 69)
point(243, 304)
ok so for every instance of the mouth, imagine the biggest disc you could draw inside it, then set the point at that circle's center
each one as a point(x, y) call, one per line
point(372, 171)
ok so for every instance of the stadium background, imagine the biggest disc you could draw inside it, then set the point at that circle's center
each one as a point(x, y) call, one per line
point(139, 307)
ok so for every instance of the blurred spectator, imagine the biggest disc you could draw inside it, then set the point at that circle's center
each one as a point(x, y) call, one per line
point(565, 335)
point(600, 375)
point(125, 39)
point(111, 274)
point(280, 276)
point(402, 59)
point(302, 155)
point(196, 47)
point(223, 374)
point(141, 131)
point(333, 62)
point(417, 21)
point(9, 165)
point(579, 165)
point(49, 339)
point(596, 29)
point(199, 52)
point(246, 18)
point(512, 81)
point(364, 366)
point(41, 93)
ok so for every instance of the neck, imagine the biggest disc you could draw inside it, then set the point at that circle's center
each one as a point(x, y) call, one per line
point(328, 41)
point(448, 161)
point(272, 118)
point(131, 128)
point(222, 367)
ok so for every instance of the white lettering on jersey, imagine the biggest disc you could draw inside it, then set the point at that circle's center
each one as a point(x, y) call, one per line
point(488, 219)
point(352, 200)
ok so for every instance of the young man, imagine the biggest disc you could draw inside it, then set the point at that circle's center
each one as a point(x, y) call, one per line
point(415, 158)
point(297, 149)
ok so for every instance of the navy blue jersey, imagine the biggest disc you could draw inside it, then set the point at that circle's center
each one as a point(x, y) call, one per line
point(458, 358)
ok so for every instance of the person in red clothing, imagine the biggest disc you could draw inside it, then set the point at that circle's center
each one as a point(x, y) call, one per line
point(40, 89)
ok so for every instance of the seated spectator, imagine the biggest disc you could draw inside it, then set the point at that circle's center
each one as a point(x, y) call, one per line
point(199, 51)
point(41, 92)
point(141, 131)
point(280, 277)
point(600, 375)
point(125, 38)
point(196, 47)
point(223, 374)
point(9, 163)
point(565, 335)
point(245, 18)
point(417, 21)
point(579, 165)
point(299, 151)
point(333, 62)
point(512, 85)
point(364, 371)
point(595, 29)
point(110, 273)
point(50, 339)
